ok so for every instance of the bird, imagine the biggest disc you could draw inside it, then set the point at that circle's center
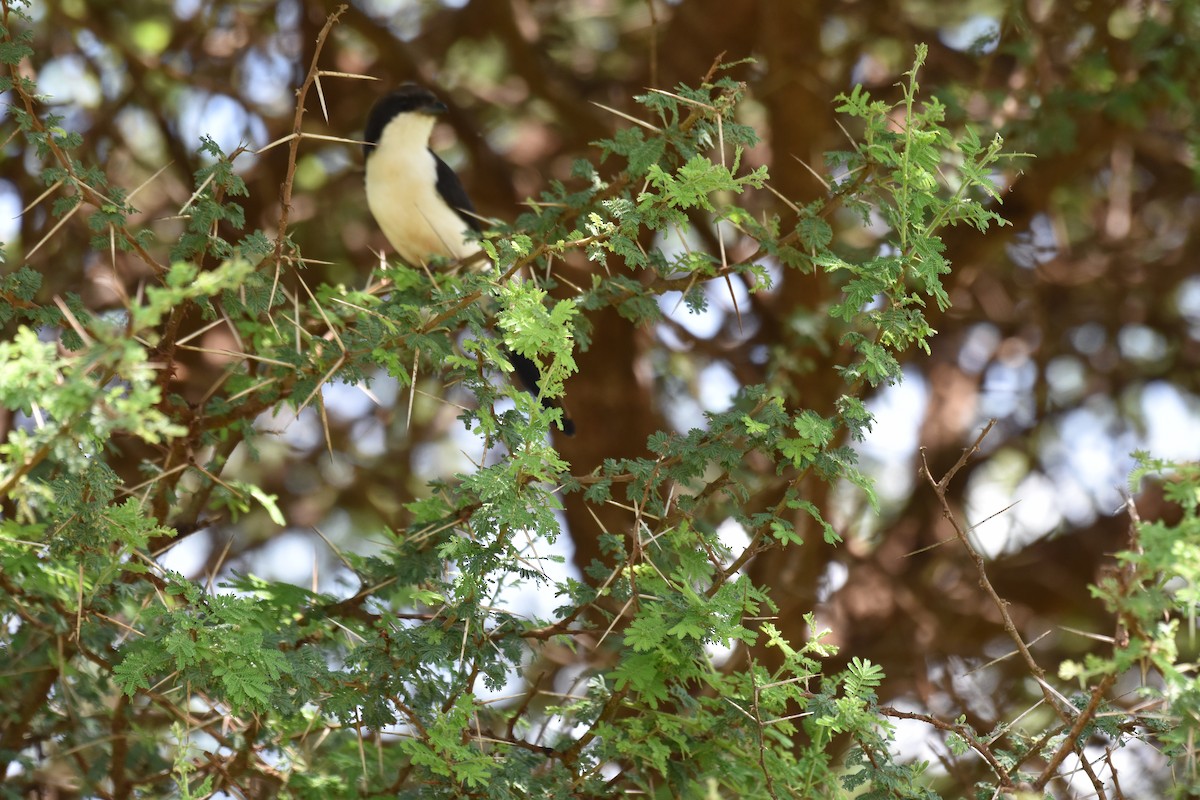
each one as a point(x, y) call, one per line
point(414, 195)
point(417, 199)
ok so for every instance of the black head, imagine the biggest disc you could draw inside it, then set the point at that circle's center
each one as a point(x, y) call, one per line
point(409, 98)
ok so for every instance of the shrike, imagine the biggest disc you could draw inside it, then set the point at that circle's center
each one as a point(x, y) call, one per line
point(417, 199)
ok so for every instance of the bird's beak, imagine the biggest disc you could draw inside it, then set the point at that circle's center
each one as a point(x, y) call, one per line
point(436, 107)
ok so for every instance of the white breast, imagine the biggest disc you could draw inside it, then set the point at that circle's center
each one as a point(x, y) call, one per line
point(402, 194)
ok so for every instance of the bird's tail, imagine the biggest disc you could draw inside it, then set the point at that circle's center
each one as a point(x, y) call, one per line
point(530, 379)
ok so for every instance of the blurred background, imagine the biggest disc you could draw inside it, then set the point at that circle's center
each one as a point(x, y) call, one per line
point(1077, 327)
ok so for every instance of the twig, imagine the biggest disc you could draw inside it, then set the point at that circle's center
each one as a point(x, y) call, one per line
point(87, 193)
point(1068, 744)
point(965, 732)
point(1075, 720)
point(1010, 627)
point(294, 146)
point(758, 730)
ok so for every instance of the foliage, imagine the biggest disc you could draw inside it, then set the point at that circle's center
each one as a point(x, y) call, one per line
point(402, 685)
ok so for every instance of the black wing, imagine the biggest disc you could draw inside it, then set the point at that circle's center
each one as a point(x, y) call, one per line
point(452, 191)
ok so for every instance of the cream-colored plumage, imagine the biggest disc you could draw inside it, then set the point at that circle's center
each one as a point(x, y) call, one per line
point(403, 197)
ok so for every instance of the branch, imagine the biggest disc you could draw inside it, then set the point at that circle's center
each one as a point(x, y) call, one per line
point(285, 198)
point(965, 731)
point(87, 193)
point(1010, 627)
point(1069, 741)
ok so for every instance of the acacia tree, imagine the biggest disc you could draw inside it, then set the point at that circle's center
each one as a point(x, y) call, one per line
point(148, 415)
